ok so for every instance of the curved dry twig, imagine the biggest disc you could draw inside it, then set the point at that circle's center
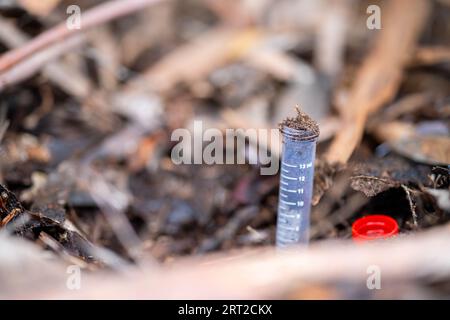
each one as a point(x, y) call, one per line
point(92, 17)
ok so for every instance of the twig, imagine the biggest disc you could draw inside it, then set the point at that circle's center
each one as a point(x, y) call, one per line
point(4, 123)
point(28, 67)
point(411, 204)
point(113, 202)
point(93, 17)
point(266, 274)
point(379, 77)
point(341, 215)
point(239, 219)
point(205, 53)
point(431, 55)
point(77, 84)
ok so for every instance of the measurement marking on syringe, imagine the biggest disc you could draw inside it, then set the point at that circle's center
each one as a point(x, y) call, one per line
point(289, 178)
point(287, 238)
point(300, 178)
point(292, 190)
point(285, 215)
point(300, 166)
point(284, 241)
point(283, 195)
point(289, 165)
point(288, 203)
point(284, 170)
point(285, 234)
point(285, 183)
point(298, 203)
point(289, 229)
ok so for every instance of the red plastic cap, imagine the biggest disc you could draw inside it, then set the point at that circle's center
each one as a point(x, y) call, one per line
point(374, 227)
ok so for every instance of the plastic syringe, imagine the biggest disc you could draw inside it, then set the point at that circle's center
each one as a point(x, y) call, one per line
point(296, 180)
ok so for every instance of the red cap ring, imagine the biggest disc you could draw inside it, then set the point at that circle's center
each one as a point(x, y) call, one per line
point(374, 227)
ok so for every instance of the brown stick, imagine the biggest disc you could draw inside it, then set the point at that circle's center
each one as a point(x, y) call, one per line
point(256, 274)
point(77, 84)
point(431, 55)
point(379, 77)
point(95, 16)
point(28, 67)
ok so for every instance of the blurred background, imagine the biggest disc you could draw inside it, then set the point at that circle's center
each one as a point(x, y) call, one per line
point(87, 111)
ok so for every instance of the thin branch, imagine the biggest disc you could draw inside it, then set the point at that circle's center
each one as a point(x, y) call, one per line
point(28, 67)
point(270, 274)
point(92, 17)
point(77, 84)
point(378, 79)
point(411, 205)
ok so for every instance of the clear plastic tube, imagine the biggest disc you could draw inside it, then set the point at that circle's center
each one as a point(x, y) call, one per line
point(296, 183)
